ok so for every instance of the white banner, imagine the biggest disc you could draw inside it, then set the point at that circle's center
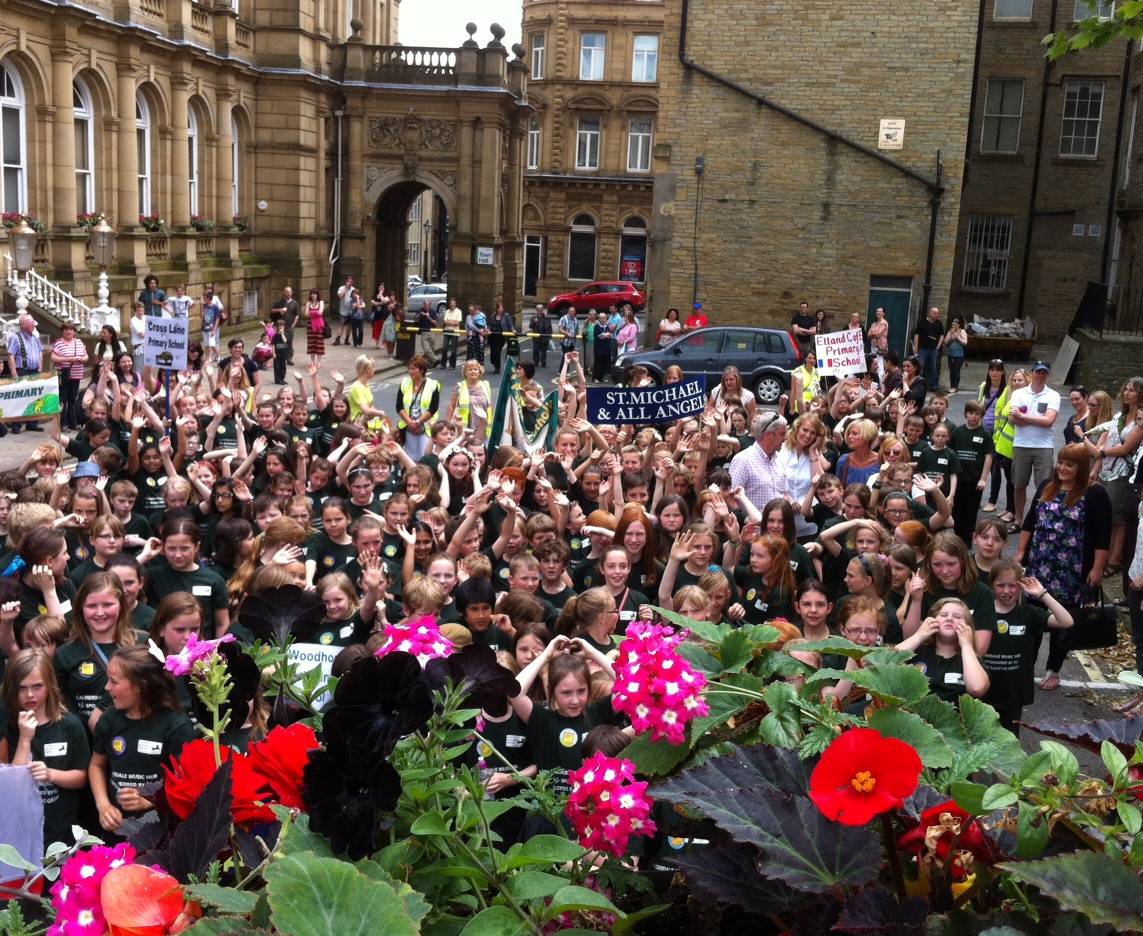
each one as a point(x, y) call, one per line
point(165, 342)
point(840, 354)
point(30, 398)
point(307, 656)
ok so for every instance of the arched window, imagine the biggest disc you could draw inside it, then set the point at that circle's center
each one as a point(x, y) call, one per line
point(581, 248)
point(13, 142)
point(192, 160)
point(633, 250)
point(143, 146)
point(235, 168)
point(84, 121)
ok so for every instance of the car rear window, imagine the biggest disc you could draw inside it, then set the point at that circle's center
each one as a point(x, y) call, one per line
point(769, 343)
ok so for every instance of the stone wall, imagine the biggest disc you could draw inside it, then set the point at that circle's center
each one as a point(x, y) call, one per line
point(1105, 362)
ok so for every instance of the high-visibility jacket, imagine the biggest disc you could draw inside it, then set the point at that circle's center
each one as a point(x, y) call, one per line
point(464, 403)
point(429, 387)
point(811, 382)
point(1004, 433)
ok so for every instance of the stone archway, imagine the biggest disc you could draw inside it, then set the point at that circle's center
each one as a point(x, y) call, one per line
point(393, 231)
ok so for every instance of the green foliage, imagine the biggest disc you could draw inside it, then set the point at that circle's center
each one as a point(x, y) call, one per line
point(1097, 885)
point(1093, 32)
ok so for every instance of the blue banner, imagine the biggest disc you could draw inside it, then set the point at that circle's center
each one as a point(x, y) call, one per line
point(653, 404)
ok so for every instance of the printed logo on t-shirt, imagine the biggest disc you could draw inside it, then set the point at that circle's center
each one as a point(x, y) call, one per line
point(390, 550)
point(923, 667)
point(149, 747)
point(87, 668)
point(327, 562)
point(118, 745)
point(514, 740)
point(82, 553)
point(569, 737)
point(151, 482)
point(503, 573)
point(750, 595)
point(1002, 627)
point(326, 639)
point(676, 843)
point(484, 749)
point(576, 543)
point(58, 749)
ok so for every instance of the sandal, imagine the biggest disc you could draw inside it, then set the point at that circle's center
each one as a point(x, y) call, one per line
point(988, 508)
point(1014, 528)
point(1050, 683)
point(1007, 516)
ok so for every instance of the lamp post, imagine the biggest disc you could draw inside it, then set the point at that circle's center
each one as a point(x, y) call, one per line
point(23, 240)
point(103, 250)
point(426, 246)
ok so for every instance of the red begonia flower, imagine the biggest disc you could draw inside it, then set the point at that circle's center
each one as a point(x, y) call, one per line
point(863, 774)
point(142, 901)
point(281, 759)
point(940, 825)
point(195, 767)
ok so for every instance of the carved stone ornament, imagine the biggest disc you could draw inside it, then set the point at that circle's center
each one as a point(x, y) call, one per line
point(411, 133)
point(385, 132)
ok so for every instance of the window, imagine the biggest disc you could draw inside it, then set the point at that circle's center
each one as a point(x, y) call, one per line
point(769, 342)
point(581, 249)
point(14, 191)
point(414, 252)
point(533, 144)
point(192, 160)
point(639, 144)
point(1083, 110)
point(645, 63)
point(143, 145)
point(591, 49)
point(705, 342)
point(415, 209)
point(989, 250)
point(538, 57)
point(1129, 143)
point(84, 123)
point(633, 251)
point(1104, 9)
point(1012, 9)
point(587, 143)
point(235, 168)
point(1003, 109)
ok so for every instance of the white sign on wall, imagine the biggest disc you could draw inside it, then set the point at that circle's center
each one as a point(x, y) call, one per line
point(840, 354)
point(892, 134)
point(485, 256)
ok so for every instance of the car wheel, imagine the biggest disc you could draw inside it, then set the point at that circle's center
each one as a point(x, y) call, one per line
point(768, 389)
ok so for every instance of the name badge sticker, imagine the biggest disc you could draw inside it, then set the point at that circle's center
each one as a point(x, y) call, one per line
point(59, 749)
point(65, 607)
point(149, 747)
point(954, 679)
point(201, 591)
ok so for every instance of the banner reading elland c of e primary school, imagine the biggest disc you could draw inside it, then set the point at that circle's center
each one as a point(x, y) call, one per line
point(29, 398)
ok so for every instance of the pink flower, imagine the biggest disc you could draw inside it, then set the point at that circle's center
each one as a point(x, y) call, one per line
point(607, 806)
point(183, 662)
point(75, 896)
point(421, 637)
point(654, 686)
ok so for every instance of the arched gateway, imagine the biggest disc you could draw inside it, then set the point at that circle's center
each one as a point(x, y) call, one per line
point(452, 121)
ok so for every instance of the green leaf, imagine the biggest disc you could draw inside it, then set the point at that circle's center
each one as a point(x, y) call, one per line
point(1032, 832)
point(415, 904)
point(431, 823)
point(544, 849)
point(1034, 768)
point(297, 837)
point(1114, 761)
point(9, 856)
point(782, 727)
point(626, 925)
point(1096, 885)
point(735, 651)
point(226, 899)
point(998, 796)
point(1064, 763)
point(836, 646)
point(1130, 816)
point(493, 921)
point(655, 758)
point(891, 685)
point(224, 926)
point(969, 796)
point(313, 896)
point(700, 658)
point(574, 897)
point(531, 885)
point(704, 630)
point(913, 730)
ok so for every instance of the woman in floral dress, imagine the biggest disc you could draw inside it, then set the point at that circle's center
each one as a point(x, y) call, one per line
point(1065, 540)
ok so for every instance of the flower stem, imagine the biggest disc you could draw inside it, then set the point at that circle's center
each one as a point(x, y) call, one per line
point(734, 690)
point(891, 853)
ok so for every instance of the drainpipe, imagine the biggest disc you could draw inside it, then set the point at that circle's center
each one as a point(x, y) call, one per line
point(335, 247)
point(1030, 223)
point(1124, 81)
point(934, 211)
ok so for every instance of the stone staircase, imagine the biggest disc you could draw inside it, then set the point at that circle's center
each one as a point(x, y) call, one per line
point(50, 305)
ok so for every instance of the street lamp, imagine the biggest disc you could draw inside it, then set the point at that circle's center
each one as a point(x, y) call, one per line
point(426, 245)
point(23, 240)
point(103, 250)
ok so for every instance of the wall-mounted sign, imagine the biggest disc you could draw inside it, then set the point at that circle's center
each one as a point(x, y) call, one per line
point(892, 134)
point(485, 256)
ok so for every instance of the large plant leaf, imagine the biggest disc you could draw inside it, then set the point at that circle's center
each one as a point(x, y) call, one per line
point(1095, 884)
point(912, 729)
point(729, 874)
point(415, 904)
point(655, 758)
point(704, 630)
point(198, 841)
point(226, 899)
point(314, 896)
point(891, 685)
point(1122, 732)
point(492, 921)
point(801, 847)
point(875, 910)
point(974, 734)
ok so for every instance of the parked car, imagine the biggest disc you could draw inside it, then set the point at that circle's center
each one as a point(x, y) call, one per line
point(764, 356)
point(436, 293)
point(599, 296)
point(413, 282)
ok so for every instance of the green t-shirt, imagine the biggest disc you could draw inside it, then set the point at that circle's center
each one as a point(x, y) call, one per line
point(204, 583)
point(328, 555)
point(557, 741)
point(1011, 658)
point(137, 748)
point(62, 745)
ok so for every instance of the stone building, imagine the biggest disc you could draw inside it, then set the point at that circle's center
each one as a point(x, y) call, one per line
point(594, 69)
point(1046, 143)
point(810, 150)
point(264, 144)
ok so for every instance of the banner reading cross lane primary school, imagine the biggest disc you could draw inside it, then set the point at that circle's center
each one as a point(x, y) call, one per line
point(654, 404)
point(30, 398)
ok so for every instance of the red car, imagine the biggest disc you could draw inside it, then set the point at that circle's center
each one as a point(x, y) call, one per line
point(600, 296)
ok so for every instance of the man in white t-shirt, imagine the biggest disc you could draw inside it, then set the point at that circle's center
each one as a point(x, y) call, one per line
point(1032, 411)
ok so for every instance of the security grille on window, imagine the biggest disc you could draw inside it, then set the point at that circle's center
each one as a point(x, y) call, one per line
point(250, 304)
point(587, 143)
point(1003, 107)
point(533, 144)
point(591, 51)
point(1012, 9)
point(989, 250)
point(1083, 111)
point(1104, 9)
point(537, 57)
point(581, 249)
point(639, 145)
point(645, 62)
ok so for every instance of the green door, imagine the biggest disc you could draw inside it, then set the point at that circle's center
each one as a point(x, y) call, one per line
point(894, 294)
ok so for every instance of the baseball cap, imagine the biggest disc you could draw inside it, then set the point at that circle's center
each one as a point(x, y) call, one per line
point(698, 305)
point(1041, 366)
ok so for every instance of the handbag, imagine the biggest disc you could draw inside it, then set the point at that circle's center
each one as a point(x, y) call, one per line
point(1094, 623)
point(326, 331)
